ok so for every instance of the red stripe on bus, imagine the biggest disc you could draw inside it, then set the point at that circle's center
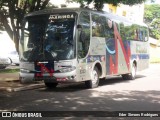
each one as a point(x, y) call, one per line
point(118, 38)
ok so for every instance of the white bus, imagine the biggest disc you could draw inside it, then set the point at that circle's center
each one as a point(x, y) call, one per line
point(75, 45)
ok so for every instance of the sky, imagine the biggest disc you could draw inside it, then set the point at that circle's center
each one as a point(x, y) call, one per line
point(58, 2)
point(156, 2)
point(6, 44)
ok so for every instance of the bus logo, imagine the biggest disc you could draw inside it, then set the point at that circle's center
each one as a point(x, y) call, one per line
point(55, 17)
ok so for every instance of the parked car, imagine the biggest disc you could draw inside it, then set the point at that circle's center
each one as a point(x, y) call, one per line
point(4, 61)
point(14, 57)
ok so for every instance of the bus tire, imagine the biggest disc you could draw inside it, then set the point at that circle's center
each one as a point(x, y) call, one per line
point(94, 82)
point(50, 85)
point(132, 75)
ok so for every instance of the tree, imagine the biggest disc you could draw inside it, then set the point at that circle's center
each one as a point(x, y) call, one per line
point(98, 4)
point(151, 12)
point(152, 19)
point(12, 13)
point(155, 28)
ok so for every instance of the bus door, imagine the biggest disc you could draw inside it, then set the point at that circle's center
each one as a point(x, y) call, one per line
point(83, 42)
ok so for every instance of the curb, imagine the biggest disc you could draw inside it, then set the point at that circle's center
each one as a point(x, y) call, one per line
point(9, 80)
point(22, 88)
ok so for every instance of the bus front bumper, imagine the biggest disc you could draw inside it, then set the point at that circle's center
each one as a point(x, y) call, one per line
point(55, 77)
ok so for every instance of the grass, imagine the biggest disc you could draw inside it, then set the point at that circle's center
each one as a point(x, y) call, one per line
point(9, 70)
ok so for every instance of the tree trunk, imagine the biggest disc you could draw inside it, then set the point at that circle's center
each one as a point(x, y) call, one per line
point(13, 33)
point(6, 25)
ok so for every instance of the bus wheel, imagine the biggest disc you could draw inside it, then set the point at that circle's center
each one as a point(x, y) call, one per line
point(50, 85)
point(94, 82)
point(132, 75)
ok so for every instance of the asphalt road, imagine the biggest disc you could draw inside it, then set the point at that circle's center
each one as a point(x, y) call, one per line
point(113, 94)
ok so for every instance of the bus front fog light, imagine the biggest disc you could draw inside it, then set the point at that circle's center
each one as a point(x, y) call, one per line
point(71, 77)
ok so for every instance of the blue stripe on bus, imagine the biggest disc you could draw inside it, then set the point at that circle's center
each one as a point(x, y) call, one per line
point(110, 51)
point(140, 56)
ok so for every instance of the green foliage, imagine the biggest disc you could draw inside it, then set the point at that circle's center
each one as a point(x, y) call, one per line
point(155, 25)
point(151, 12)
point(9, 70)
point(152, 19)
point(13, 11)
point(98, 4)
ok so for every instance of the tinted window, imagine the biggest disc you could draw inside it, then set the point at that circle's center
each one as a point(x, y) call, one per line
point(136, 32)
point(48, 38)
point(98, 25)
point(84, 34)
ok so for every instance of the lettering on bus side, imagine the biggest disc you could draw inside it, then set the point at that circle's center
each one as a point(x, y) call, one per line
point(82, 71)
point(141, 48)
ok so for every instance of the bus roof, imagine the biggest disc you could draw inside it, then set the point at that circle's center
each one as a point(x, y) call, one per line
point(55, 10)
point(111, 16)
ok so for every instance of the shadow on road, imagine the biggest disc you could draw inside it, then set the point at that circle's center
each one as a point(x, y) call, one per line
point(74, 87)
point(75, 97)
point(117, 79)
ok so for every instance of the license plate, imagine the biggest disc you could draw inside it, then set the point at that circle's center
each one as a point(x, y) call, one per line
point(45, 78)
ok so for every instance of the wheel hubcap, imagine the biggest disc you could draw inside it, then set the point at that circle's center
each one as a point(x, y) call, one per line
point(133, 71)
point(94, 77)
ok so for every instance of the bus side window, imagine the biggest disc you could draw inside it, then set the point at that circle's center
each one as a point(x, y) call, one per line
point(145, 34)
point(84, 34)
point(141, 38)
point(109, 29)
point(122, 31)
point(136, 34)
point(98, 25)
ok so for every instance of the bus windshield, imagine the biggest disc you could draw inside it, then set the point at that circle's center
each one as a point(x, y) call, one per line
point(48, 38)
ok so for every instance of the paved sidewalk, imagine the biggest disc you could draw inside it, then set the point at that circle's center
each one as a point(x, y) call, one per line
point(10, 82)
point(5, 77)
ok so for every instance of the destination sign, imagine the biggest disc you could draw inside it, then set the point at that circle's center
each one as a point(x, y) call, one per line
point(55, 17)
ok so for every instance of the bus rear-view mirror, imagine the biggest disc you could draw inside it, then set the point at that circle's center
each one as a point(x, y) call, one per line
point(79, 27)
